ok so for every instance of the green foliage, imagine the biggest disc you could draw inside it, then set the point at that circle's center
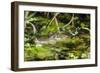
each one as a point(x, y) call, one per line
point(56, 36)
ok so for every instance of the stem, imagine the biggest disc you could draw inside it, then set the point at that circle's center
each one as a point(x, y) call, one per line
point(86, 29)
point(26, 14)
point(34, 28)
point(48, 14)
point(57, 25)
point(70, 21)
point(31, 15)
point(53, 18)
point(73, 20)
point(25, 19)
